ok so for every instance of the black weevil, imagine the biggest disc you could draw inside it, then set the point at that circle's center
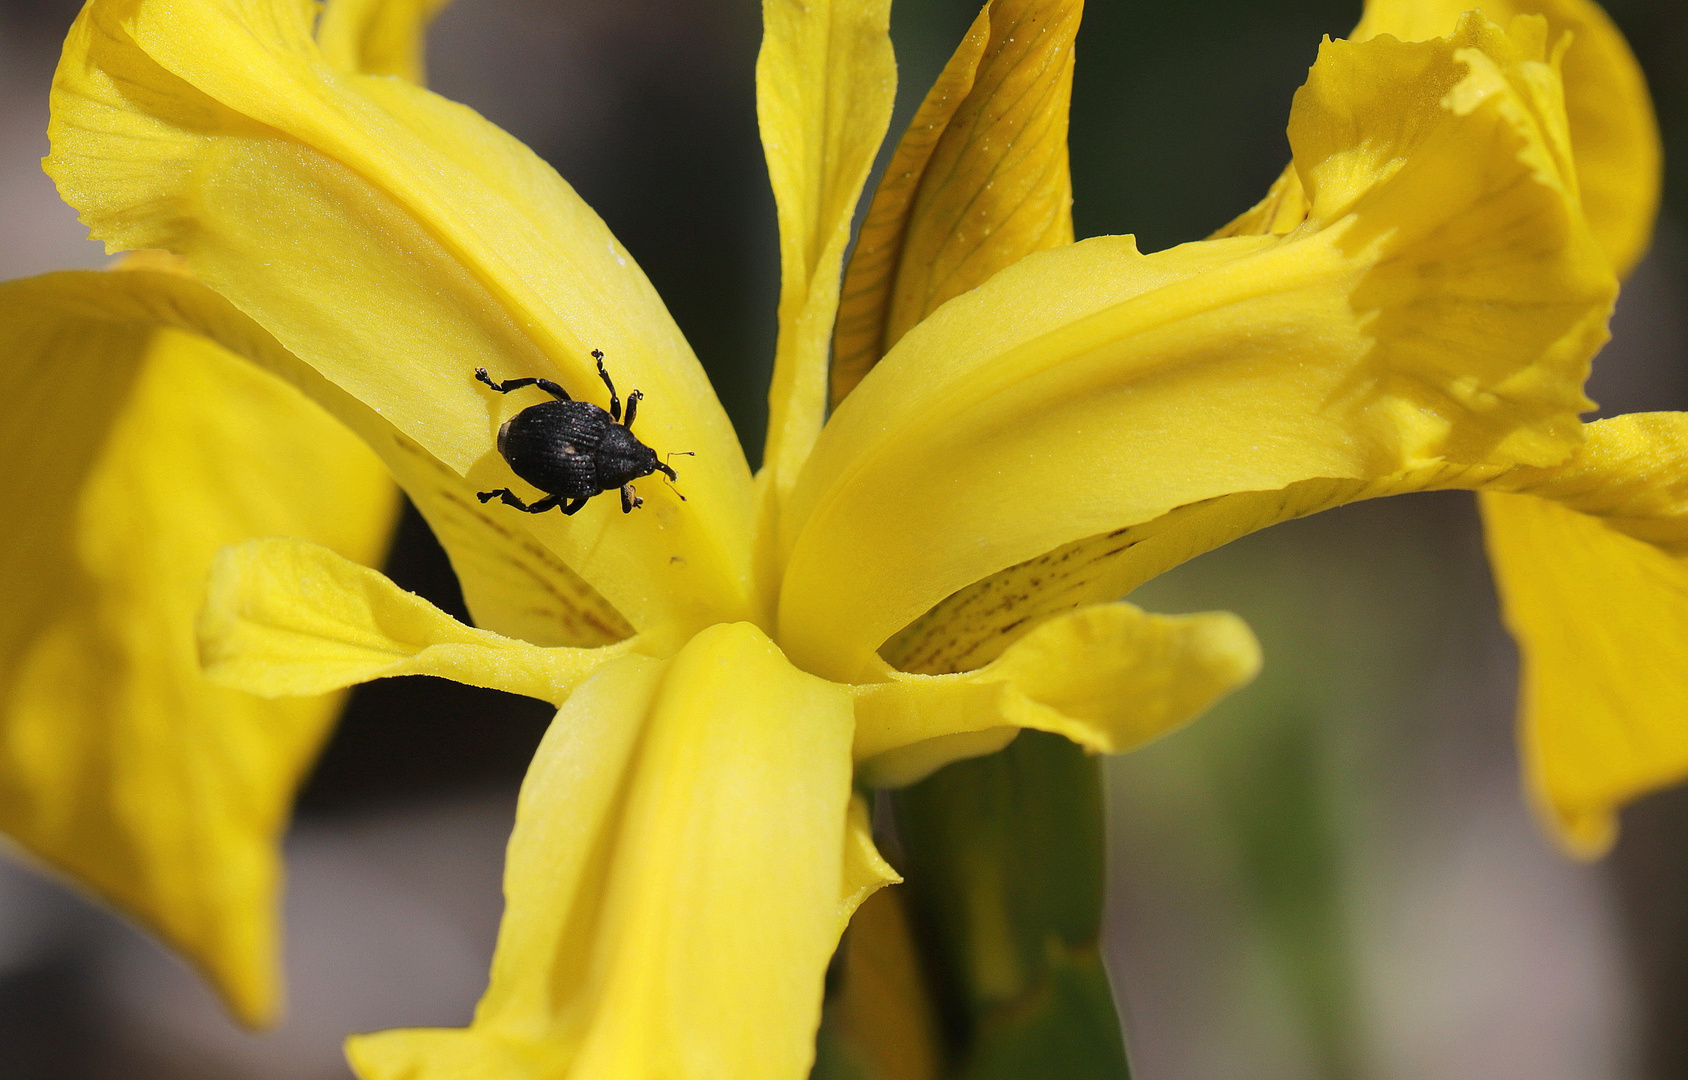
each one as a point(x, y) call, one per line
point(572, 449)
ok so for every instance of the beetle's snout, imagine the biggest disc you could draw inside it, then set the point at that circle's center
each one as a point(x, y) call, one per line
point(503, 436)
point(668, 470)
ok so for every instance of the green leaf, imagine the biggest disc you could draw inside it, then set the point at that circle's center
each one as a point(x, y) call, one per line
point(1003, 860)
point(1064, 1027)
point(836, 1058)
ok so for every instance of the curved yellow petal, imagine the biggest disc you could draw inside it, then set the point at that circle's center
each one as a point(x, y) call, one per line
point(1589, 557)
point(979, 181)
point(378, 37)
point(1623, 473)
point(287, 618)
point(511, 582)
point(1442, 302)
point(1110, 678)
point(974, 625)
point(1614, 134)
point(395, 241)
point(135, 452)
point(1631, 473)
point(825, 84)
point(674, 885)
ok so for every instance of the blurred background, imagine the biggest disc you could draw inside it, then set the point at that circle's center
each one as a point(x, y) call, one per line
point(1330, 877)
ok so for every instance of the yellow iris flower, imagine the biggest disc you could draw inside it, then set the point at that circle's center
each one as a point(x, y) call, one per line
point(1032, 427)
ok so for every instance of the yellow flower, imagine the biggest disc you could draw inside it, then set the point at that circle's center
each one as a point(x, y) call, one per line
point(1032, 426)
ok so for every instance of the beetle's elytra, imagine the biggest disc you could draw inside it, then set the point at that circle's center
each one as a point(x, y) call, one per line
point(572, 450)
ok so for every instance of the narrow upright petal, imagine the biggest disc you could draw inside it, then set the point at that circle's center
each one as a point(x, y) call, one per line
point(825, 83)
point(395, 241)
point(979, 181)
point(1441, 302)
point(675, 884)
point(135, 453)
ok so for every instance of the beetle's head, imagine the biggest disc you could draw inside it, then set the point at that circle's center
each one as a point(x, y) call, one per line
point(646, 459)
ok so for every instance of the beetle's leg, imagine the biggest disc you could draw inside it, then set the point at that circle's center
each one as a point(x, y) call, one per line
point(516, 384)
point(615, 402)
point(504, 495)
point(633, 400)
point(509, 498)
point(573, 506)
point(630, 499)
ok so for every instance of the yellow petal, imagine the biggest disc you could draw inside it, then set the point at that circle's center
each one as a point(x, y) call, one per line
point(1614, 135)
point(1594, 586)
point(865, 869)
point(1623, 473)
point(1442, 302)
point(1589, 556)
point(1110, 678)
point(1601, 621)
point(135, 453)
point(974, 625)
point(859, 337)
point(511, 582)
point(825, 83)
point(286, 618)
point(979, 181)
point(673, 883)
point(395, 241)
point(378, 37)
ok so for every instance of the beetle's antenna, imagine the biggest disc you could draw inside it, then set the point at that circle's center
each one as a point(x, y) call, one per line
point(668, 470)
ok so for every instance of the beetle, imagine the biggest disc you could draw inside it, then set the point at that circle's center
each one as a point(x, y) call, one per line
point(572, 450)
